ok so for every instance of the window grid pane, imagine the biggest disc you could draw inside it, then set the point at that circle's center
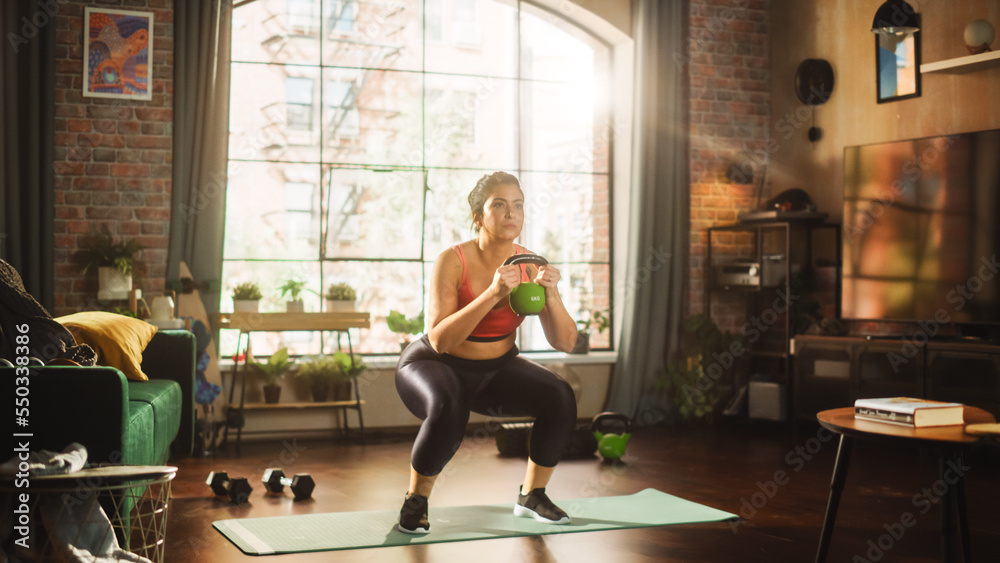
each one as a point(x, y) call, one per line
point(359, 127)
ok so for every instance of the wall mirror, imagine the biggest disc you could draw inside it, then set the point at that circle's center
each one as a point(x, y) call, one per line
point(898, 66)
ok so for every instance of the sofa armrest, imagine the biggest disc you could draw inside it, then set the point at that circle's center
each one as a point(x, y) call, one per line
point(171, 355)
point(59, 399)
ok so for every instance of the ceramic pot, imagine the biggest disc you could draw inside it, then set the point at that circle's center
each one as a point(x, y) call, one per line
point(342, 391)
point(339, 306)
point(245, 306)
point(320, 391)
point(272, 393)
point(112, 284)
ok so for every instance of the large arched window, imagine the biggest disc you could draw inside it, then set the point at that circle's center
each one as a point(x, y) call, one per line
point(358, 128)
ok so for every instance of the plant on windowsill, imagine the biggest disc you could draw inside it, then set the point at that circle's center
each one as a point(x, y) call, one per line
point(598, 320)
point(320, 373)
point(271, 372)
point(293, 289)
point(115, 263)
point(246, 297)
point(351, 368)
point(340, 298)
point(400, 324)
point(701, 378)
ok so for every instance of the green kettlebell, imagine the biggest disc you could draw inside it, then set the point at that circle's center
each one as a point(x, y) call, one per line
point(611, 446)
point(528, 298)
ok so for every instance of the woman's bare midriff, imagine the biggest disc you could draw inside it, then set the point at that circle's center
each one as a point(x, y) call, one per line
point(470, 350)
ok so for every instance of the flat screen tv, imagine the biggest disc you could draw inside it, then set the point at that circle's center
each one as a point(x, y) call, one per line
point(921, 236)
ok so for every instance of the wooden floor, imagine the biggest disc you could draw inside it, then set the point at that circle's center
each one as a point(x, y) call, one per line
point(775, 477)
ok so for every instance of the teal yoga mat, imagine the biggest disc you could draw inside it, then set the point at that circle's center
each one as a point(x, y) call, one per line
point(377, 528)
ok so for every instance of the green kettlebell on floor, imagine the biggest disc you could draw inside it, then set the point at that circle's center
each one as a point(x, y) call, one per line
point(611, 446)
point(528, 298)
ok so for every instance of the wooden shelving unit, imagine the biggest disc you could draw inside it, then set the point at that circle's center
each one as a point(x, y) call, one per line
point(790, 245)
point(266, 322)
point(963, 65)
point(247, 323)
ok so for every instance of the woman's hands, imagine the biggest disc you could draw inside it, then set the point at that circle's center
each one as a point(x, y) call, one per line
point(505, 279)
point(548, 277)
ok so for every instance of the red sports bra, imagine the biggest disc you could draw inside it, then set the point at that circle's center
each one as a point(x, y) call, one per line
point(501, 321)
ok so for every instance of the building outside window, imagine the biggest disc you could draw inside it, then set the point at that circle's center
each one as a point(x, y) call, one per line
point(298, 103)
point(364, 180)
point(341, 15)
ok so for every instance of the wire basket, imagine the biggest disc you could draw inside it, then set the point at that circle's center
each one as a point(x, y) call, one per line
point(102, 512)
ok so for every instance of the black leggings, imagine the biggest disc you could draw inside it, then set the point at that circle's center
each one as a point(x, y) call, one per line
point(442, 390)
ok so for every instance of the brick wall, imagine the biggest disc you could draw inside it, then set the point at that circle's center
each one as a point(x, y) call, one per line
point(112, 158)
point(729, 112)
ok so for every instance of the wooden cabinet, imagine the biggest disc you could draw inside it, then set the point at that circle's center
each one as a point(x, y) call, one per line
point(964, 373)
point(822, 376)
point(887, 368)
point(831, 372)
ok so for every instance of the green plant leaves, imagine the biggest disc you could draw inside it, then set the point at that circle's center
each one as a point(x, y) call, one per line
point(292, 288)
point(343, 360)
point(700, 380)
point(274, 368)
point(247, 291)
point(320, 368)
point(122, 256)
point(397, 322)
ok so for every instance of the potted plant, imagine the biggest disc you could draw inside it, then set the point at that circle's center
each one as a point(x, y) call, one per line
point(350, 366)
point(400, 324)
point(701, 379)
point(596, 320)
point(115, 263)
point(320, 373)
point(246, 297)
point(293, 289)
point(340, 298)
point(271, 372)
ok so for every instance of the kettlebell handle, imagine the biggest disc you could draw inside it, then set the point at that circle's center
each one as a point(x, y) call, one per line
point(526, 258)
point(607, 416)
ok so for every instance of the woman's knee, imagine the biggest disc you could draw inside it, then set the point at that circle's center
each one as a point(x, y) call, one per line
point(563, 398)
point(447, 409)
point(428, 389)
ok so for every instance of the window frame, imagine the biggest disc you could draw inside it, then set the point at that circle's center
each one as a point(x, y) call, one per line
point(611, 173)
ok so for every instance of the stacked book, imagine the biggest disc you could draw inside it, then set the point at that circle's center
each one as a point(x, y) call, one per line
point(907, 411)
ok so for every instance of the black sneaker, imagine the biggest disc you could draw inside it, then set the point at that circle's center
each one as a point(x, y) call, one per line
point(413, 515)
point(538, 506)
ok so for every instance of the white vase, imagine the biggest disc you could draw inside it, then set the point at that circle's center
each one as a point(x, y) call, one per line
point(163, 308)
point(245, 305)
point(295, 307)
point(339, 306)
point(112, 284)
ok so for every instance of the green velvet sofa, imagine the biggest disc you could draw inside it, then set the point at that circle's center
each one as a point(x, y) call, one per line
point(118, 420)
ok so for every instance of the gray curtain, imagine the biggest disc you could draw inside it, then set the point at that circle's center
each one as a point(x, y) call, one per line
point(658, 215)
point(27, 137)
point(202, 30)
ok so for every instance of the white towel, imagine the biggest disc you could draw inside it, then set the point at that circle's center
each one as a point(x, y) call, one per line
point(44, 462)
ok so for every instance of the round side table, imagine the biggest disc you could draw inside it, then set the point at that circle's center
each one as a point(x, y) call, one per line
point(950, 441)
point(95, 508)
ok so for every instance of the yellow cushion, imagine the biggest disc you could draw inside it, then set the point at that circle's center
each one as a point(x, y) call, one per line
point(117, 339)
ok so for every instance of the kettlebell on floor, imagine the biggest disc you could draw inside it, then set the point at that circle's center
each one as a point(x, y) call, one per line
point(611, 445)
